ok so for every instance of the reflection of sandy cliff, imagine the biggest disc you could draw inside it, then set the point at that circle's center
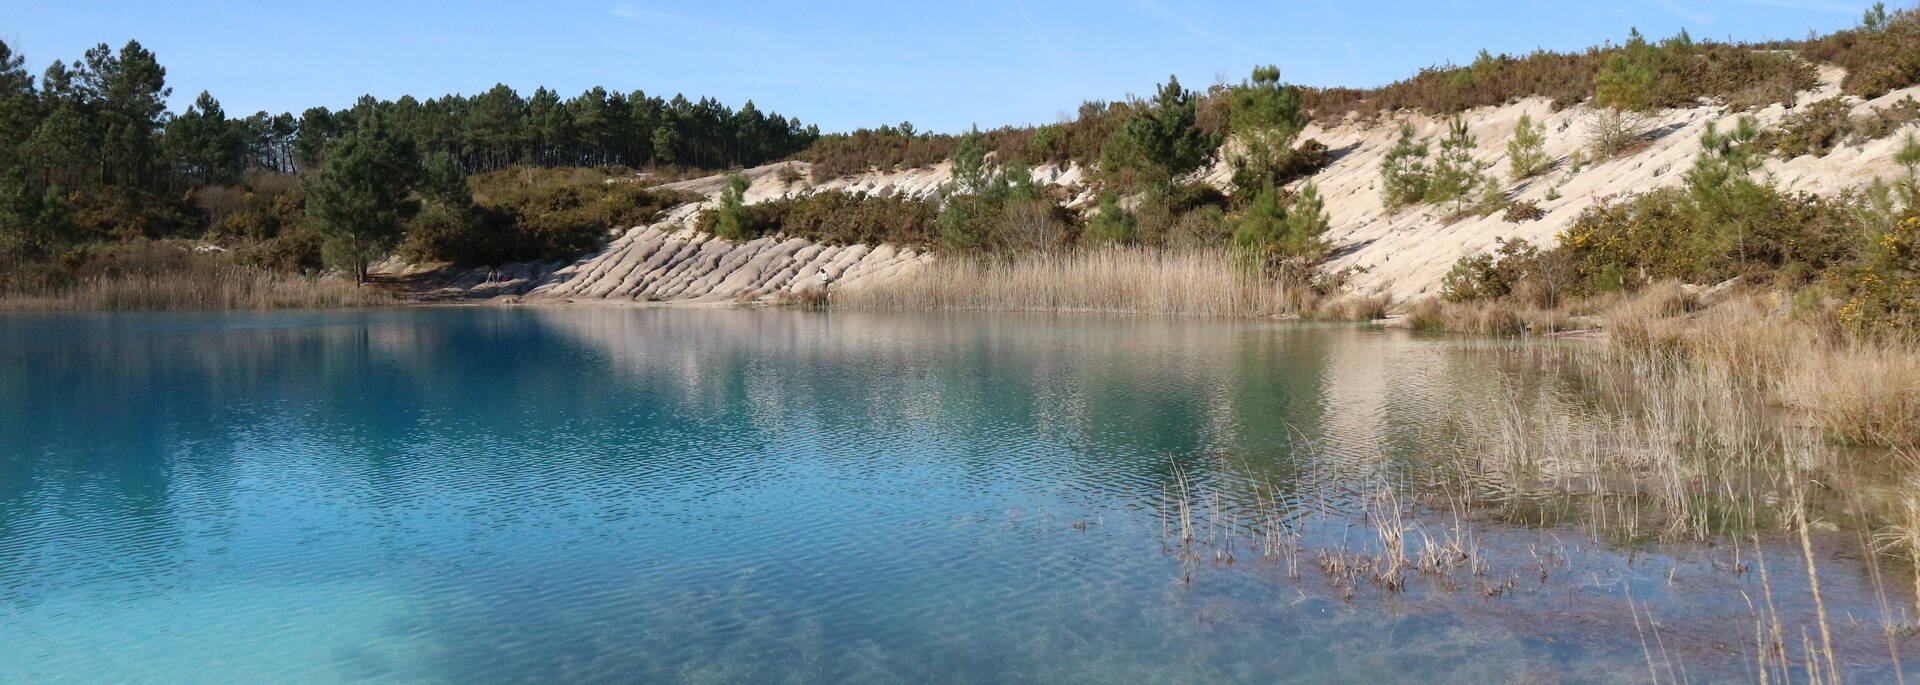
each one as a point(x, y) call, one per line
point(1104, 390)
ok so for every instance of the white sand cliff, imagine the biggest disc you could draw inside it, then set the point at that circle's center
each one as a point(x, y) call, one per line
point(1404, 254)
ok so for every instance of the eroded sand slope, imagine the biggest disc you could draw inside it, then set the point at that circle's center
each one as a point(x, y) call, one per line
point(1404, 254)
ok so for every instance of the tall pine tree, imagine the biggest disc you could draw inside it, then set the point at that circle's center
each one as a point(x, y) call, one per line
point(363, 195)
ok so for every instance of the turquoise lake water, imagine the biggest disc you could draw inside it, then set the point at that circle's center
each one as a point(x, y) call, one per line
point(671, 495)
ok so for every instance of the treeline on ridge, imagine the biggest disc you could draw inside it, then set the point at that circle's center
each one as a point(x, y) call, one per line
point(1881, 54)
point(89, 154)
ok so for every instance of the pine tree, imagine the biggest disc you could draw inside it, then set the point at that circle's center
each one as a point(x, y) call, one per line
point(964, 221)
point(1455, 172)
point(1262, 227)
point(971, 173)
point(733, 222)
point(1875, 19)
point(1726, 162)
point(20, 108)
point(1263, 103)
point(1627, 80)
point(130, 91)
point(1526, 150)
point(1271, 229)
point(443, 183)
point(1307, 222)
point(32, 225)
point(363, 195)
point(977, 196)
point(1404, 175)
point(450, 226)
point(1112, 223)
point(1265, 117)
point(203, 144)
point(1161, 140)
point(65, 147)
point(1909, 156)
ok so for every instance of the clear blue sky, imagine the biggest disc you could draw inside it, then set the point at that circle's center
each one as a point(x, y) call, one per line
point(942, 65)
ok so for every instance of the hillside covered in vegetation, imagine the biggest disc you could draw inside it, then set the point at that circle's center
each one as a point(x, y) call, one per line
point(1318, 191)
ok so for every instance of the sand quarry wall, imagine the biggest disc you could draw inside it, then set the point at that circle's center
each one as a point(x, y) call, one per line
point(1405, 254)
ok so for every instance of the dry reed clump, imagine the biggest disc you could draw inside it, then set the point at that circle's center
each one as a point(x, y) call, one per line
point(804, 298)
point(1348, 308)
point(1487, 317)
point(1737, 337)
point(207, 286)
point(1862, 393)
point(1655, 445)
point(1130, 280)
point(1648, 322)
point(1861, 390)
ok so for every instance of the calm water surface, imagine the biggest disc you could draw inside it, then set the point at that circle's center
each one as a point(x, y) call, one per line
point(684, 495)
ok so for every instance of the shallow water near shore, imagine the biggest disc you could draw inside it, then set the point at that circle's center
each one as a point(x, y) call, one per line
point(565, 494)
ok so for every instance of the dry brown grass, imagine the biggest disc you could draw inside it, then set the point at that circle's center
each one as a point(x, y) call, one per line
point(1652, 446)
point(804, 298)
point(1348, 308)
point(1128, 280)
point(1862, 393)
point(163, 278)
point(1488, 317)
point(1648, 323)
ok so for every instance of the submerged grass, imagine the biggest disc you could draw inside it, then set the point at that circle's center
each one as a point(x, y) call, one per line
point(1424, 553)
point(1121, 280)
point(1858, 389)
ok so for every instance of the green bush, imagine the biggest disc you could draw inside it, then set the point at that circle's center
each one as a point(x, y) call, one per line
point(965, 221)
point(1677, 72)
point(1881, 55)
point(883, 149)
point(841, 218)
point(1527, 210)
point(1253, 171)
point(1667, 234)
point(1882, 289)
point(1517, 266)
point(530, 214)
point(1815, 130)
point(888, 148)
point(1884, 121)
point(1722, 224)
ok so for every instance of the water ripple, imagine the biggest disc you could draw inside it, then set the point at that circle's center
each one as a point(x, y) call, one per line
point(652, 495)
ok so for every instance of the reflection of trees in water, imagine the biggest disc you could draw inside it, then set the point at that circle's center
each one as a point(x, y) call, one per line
point(1109, 397)
point(401, 421)
point(387, 409)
